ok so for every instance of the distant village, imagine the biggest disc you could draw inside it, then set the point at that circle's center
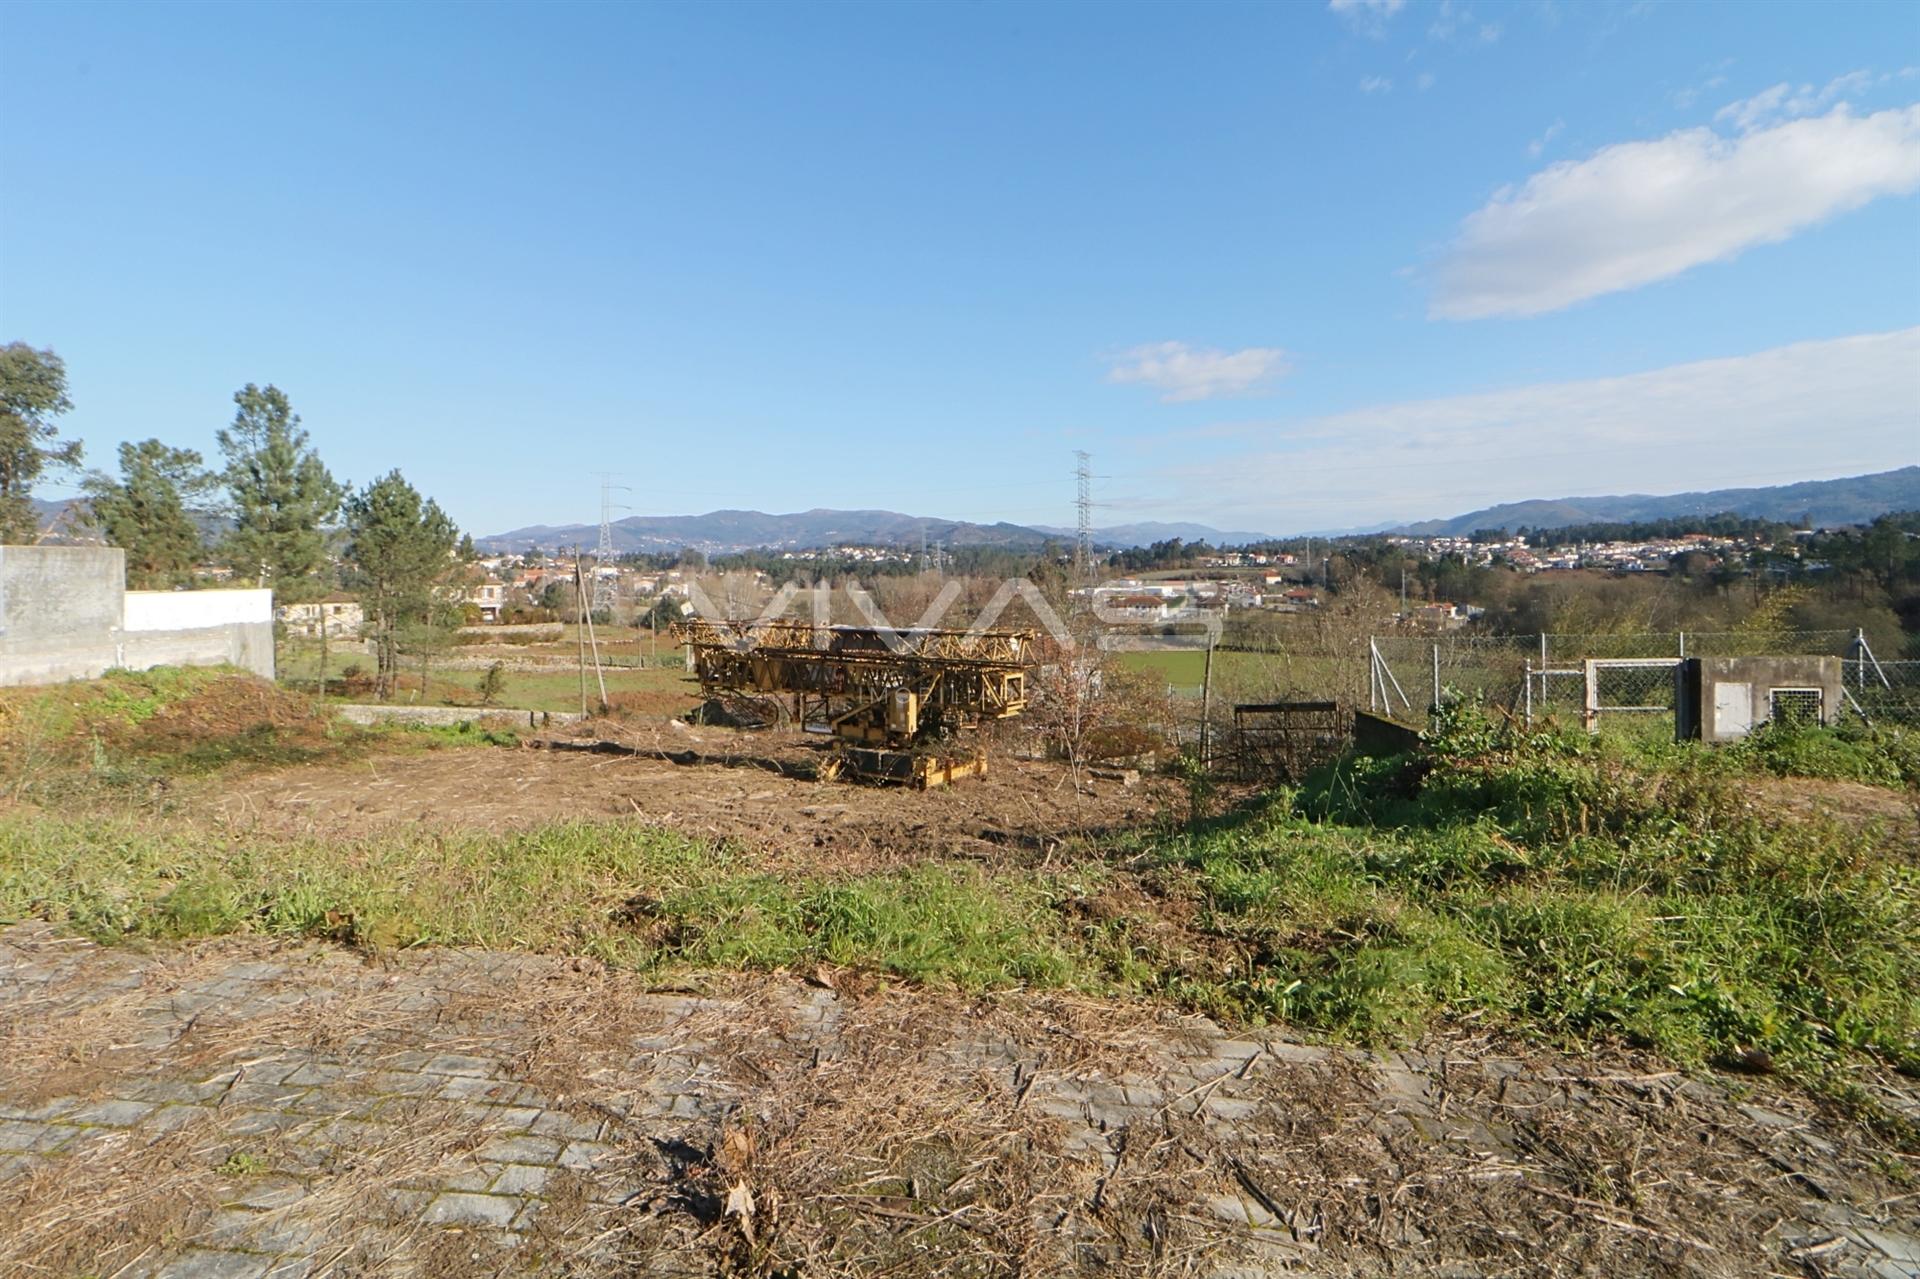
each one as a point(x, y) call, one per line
point(537, 586)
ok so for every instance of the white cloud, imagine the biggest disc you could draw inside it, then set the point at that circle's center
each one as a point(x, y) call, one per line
point(1826, 408)
point(1425, 81)
point(1183, 372)
point(1369, 17)
point(1376, 84)
point(1784, 102)
point(1638, 212)
point(1539, 144)
point(1456, 21)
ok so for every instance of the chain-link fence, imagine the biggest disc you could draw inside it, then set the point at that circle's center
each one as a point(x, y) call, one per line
point(1601, 680)
point(1884, 692)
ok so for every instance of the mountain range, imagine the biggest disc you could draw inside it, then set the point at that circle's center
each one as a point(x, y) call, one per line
point(718, 532)
point(1853, 500)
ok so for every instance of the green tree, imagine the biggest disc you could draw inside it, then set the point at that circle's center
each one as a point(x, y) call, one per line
point(33, 391)
point(400, 548)
point(282, 495)
point(147, 510)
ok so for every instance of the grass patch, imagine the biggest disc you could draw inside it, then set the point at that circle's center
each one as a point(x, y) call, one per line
point(632, 895)
point(1542, 884)
point(131, 732)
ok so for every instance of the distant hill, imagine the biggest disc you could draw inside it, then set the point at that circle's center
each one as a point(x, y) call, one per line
point(1147, 532)
point(60, 519)
point(1854, 500)
point(718, 532)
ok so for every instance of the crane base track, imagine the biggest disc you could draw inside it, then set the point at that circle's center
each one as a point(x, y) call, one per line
point(902, 768)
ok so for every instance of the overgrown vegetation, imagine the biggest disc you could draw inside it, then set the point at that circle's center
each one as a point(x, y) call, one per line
point(1547, 884)
point(1543, 883)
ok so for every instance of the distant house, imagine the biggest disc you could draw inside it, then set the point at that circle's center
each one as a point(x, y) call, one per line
point(1142, 607)
point(489, 598)
point(336, 615)
point(1304, 598)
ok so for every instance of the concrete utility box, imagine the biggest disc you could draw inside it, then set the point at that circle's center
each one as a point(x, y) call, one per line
point(1722, 699)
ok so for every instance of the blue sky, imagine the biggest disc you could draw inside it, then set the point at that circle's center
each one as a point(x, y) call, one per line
point(1282, 267)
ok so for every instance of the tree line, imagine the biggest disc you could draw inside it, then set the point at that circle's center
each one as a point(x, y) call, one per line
point(272, 510)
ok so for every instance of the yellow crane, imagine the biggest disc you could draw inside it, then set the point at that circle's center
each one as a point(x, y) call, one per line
point(894, 701)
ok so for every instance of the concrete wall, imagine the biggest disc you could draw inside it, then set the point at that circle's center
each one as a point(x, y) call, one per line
point(445, 715)
point(195, 610)
point(65, 614)
point(60, 612)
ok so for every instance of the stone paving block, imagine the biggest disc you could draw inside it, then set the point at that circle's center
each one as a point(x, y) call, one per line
point(115, 1112)
point(277, 1192)
point(340, 1102)
point(521, 1150)
point(405, 1205)
point(557, 1123)
point(164, 1091)
point(19, 1134)
point(268, 1096)
point(352, 1132)
point(510, 1118)
point(19, 1165)
point(203, 1263)
point(56, 1136)
point(39, 1112)
point(404, 1083)
point(457, 1064)
point(1064, 1107)
point(461, 1209)
point(472, 1176)
point(522, 1179)
point(1231, 1109)
point(313, 1073)
point(254, 1123)
point(476, 1088)
point(584, 1154)
point(173, 1118)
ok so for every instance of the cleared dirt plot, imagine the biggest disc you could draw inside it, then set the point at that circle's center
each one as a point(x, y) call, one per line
point(756, 789)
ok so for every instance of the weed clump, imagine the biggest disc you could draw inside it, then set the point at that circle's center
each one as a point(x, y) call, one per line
point(1541, 882)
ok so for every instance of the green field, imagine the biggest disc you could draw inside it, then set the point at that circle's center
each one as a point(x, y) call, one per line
point(665, 690)
point(1247, 675)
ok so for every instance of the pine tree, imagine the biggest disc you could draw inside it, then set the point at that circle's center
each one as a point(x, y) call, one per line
point(147, 510)
point(400, 547)
point(282, 496)
point(33, 391)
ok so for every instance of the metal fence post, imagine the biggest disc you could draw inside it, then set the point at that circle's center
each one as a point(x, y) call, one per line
point(1528, 695)
point(1436, 675)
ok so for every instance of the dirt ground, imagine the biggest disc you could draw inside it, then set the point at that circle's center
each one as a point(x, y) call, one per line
point(1892, 814)
point(754, 788)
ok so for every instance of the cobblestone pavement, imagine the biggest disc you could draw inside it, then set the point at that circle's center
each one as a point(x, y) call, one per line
point(233, 1110)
